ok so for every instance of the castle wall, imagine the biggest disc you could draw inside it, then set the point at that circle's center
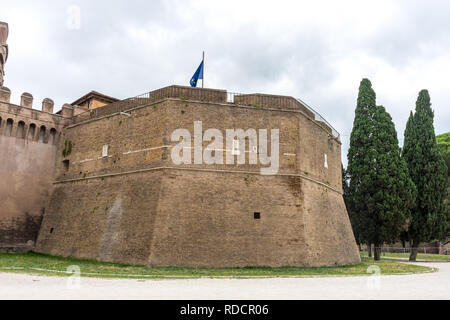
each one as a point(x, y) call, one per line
point(28, 148)
point(109, 219)
point(213, 224)
point(134, 205)
point(26, 170)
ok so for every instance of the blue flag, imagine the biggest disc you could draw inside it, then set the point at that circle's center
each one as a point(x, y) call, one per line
point(197, 75)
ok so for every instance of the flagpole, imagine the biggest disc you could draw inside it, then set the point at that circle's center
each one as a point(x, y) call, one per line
point(203, 78)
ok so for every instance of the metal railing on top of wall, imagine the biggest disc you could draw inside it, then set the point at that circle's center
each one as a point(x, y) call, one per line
point(317, 116)
point(114, 107)
point(201, 95)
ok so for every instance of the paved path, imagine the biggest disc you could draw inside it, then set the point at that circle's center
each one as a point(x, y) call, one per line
point(418, 286)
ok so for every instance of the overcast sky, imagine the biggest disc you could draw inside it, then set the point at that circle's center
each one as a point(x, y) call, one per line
point(314, 50)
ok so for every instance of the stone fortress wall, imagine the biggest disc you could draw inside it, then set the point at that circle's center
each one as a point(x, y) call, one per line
point(119, 197)
point(28, 144)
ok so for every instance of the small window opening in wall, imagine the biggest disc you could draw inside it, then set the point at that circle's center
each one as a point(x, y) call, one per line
point(41, 136)
point(257, 215)
point(21, 130)
point(51, 230)
point(66, 164)
point(9, 127)
point(52, 137)
point(31, 131)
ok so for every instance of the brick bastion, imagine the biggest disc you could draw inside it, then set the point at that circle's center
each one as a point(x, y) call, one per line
point(118, 196)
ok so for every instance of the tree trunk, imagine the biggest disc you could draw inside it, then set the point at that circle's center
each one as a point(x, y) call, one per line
point(369, 250)
point(414, 247)
point(359, 246)
point(377, 252)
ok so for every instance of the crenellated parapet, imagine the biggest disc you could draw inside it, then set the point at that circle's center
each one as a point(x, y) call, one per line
point(31, 125)
point(47, 105)
point(5, 94)
point(67, 111)
point(26, 100)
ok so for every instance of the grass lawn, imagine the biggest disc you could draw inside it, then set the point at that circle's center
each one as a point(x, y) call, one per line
point(420, 256)
point(34, 263)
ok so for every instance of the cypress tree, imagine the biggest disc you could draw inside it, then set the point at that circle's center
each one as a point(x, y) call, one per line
point(393, 192)
point(358, 163)
point(381, 192)
point(353, 217)
point(430, 216)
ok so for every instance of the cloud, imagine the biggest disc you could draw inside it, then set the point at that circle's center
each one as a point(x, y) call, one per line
point(314, 50)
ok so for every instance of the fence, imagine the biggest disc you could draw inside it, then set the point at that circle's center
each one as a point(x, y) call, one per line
point(210, 95)
point(424, 250)
point(283, 101)
point(318, 117)
point(180, 92)
point(115, 107)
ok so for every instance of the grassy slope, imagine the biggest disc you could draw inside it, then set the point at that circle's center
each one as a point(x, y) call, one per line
point(26, 263)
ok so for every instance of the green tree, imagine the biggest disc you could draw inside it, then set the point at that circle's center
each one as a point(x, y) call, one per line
point(356, 173)
point(430, 216)
point(443, 142)
point(380, 191)
point(394, 191)
point(351, 213)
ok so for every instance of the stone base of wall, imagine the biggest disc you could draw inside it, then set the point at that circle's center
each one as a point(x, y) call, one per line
point(173, 217)
point(16, 248)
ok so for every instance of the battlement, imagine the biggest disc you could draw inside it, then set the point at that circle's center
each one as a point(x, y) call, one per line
point(5, 94)
point(26, 101)
point(214, 96)
point(24, 122)
point(271, 101)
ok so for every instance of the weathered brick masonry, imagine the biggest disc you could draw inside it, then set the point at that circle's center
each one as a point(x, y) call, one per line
point(28, 144)
point(133, 204)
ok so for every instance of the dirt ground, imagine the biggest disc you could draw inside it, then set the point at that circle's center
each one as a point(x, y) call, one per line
point(416, 286)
